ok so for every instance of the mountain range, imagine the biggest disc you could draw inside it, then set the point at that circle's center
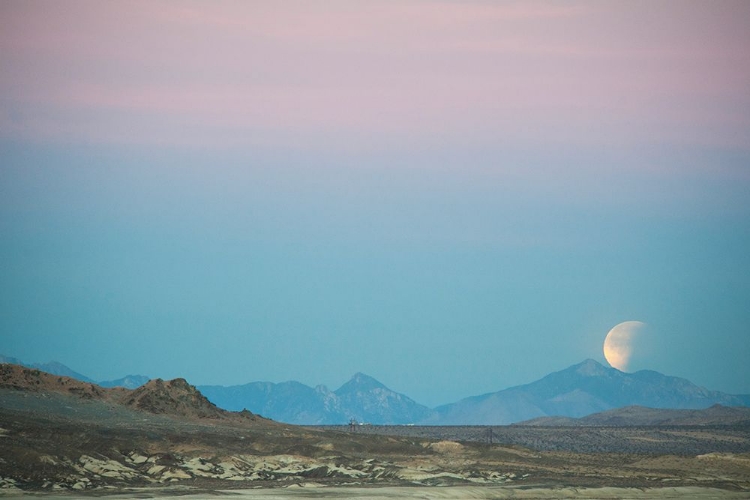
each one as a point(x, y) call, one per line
point(577, 391)
point(80, 440)
point(580, 390)
point(362, 398)
point(55, 368)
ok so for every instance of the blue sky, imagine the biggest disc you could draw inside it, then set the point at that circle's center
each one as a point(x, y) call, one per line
point(451, 197)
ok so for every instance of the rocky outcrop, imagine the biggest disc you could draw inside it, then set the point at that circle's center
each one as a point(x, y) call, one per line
point(32, 379)
point(173, 397)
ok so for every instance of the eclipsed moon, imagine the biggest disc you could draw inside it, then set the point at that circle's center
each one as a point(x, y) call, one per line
point(622, 342)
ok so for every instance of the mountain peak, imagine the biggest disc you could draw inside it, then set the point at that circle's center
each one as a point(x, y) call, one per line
point(366, 400)
point(590, 368)
point(360, 377)
point(128, 382)
point(360, 382)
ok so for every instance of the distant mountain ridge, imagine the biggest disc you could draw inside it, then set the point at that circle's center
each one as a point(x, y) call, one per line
point(583, 389)
point(362, 398)
point(580, 390)
point(128, 381)
point(55, 368)
point(290, 402)
point(367, 400)
point(52, 367)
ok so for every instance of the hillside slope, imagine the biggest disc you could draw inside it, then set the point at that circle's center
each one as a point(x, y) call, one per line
point(172, 398)
point(640, 416)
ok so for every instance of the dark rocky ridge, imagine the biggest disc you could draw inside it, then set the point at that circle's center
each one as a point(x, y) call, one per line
point(56, 368)
point(53, 367)
point(174, 397)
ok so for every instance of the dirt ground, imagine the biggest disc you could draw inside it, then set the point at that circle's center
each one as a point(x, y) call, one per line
point(61, 446)
point(422, 493)
point(637, 440)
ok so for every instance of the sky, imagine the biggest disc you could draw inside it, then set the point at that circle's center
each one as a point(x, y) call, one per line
point(453, 197)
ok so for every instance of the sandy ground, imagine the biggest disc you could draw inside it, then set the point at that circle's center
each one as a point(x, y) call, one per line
point(423, 493)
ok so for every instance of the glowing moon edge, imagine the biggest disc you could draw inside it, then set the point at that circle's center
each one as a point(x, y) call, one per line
point(619, 343)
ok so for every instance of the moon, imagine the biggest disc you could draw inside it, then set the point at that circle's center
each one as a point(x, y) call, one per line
point(622, 342)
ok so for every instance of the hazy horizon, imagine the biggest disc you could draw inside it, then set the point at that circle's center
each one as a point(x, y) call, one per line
point(335, 387)
point(452, 197)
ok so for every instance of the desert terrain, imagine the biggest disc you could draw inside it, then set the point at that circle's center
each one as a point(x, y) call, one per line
point(60, 438)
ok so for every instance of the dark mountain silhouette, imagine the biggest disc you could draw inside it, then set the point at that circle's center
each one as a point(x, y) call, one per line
point(362, 398)
point(580, 390)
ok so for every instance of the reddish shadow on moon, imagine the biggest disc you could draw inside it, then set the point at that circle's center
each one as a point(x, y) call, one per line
point(629, 346)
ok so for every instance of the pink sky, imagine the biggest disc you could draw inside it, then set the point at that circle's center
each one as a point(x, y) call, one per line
point(515, 175)
point(373, 74)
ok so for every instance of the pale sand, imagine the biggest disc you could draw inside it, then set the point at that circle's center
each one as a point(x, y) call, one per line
point(417, 492)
